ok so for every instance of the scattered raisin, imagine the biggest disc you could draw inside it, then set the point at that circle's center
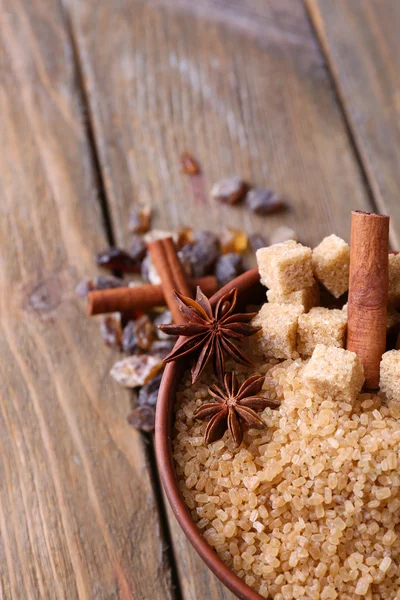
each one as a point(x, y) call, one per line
point(100, 282)
point(142, 417)
point(263, 201)
point(200, 257)
point(115, 258)
point(138, 248)
point(111, 330)
point(257, 241)
point(138, 335)
point(149, 392)
point(139, 218)
point(162, 348)
point(164, 318)
point(233, 240)
point(283, 234)
point(230, 190)
point(189, 164)
point(228, 267)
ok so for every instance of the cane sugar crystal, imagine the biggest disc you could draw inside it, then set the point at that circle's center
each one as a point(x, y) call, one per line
point(331, 263)
point(307, 297)
point(277, 337)
point(390, 375)
point(285, 267)
point(321, 326)
point(334, 372)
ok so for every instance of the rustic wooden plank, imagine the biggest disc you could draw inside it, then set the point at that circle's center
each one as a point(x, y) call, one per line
point(362, 44)
point(78, 514)
point(251, 97)
point(241, 85)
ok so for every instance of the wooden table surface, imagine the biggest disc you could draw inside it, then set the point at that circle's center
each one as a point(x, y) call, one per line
point(98, 98)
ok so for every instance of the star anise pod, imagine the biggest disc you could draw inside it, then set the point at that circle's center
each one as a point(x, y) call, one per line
point(232, 406)
point(210, 333)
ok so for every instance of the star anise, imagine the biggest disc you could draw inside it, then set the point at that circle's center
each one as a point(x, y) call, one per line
point(211, 333)
point(232, 406)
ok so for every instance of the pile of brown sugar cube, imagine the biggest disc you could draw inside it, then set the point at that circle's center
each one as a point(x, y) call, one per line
point(294, 324)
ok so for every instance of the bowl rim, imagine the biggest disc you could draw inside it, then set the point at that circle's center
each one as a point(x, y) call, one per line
point(165, 462)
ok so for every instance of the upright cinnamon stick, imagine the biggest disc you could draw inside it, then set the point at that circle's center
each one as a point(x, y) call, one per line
point(141, 297)
point(171, 273)
point(368, 291)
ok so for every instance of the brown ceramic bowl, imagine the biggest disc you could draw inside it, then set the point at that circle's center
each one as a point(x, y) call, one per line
point(249, 292)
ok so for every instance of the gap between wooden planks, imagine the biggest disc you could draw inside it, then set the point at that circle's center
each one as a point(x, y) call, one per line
point(78, 514)
point(246, 89)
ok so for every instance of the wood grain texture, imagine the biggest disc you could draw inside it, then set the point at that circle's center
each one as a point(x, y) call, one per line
point(242, 86)
point(362, 44)
point(78, 515)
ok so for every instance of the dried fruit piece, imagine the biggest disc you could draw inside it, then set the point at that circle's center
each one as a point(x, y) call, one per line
point(283, 234)
point(164, 318)
point(111, 330)
point(162, 348)
point(136, 370)
point(257, 241)
point(233, 240)
point(229, 190)
point(189, 164)
point(185, 236)
point(139, 218)
point(149, 272)
point(263, 201)
point(100, 282)
point(142, 417)
point(149, 392)
point(116, 258)
point(138, 335)
point(228, 267)
point(199, 258)
point(137, 248)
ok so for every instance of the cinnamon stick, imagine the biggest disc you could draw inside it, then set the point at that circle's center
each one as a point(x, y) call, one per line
point(141, 297)
point(171, 273)
point(368, 291)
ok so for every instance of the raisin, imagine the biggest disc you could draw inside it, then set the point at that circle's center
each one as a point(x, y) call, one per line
point(139, 219)
point(228, 267)
point(263, 201)
point(162, 348)
point(115, 258)
point(142, 417)
point(111, 330)
point(136, 370)
point(100, 282)
point(137, 248)
point(230, 190)
point(138, 335)
point(233, 240)
point(200, 257)
point(149, 392)
point(189, 164)
point(283, 234)
point(257, 241)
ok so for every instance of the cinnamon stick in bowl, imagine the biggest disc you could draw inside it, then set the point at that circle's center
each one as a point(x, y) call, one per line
point(368, 291)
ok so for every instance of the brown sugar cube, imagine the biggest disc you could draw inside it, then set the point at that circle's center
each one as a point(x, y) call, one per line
point(307, 297)
point(390, 375)
point(331, 263)
point(285, 267)
point(321, 326)
point(394, 279)
point(279, 329)
point(334, 372)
